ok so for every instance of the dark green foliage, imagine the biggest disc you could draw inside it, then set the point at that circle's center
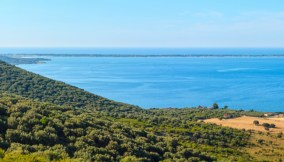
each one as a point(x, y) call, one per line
point(54, 121)
point(27, 84)
point(272, 125)
point(256, 122)
point(84, 134)
point(267, 125)
point(215, 106)
point(195, 114)
point(88, 135)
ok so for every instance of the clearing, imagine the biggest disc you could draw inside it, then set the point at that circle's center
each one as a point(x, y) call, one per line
point(246, 122)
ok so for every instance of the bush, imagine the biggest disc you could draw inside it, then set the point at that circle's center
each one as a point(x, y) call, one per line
point(2, 153)
point(260, 141)
point(256, 122)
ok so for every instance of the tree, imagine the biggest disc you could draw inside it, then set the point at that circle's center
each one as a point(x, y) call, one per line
point(256, 122)
point(272, 125)
point(215, 106)
point(266, 126)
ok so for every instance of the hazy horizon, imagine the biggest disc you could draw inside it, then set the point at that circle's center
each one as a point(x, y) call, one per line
point(150, 24)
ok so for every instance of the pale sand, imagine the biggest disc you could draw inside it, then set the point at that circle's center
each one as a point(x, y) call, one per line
point(246, 122)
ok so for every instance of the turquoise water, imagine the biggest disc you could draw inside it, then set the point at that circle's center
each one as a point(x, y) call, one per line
point(240, 83)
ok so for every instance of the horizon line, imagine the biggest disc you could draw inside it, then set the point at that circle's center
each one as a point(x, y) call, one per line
point(125, 47)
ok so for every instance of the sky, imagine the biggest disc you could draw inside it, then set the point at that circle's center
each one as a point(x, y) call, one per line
point(142, 23)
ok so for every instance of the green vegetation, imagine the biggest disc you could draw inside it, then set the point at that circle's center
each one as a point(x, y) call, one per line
point(30, 128)
point(46, 120)
point(215, 106)
point(266, 146)
point(267, 126)
point(256, 122)
point(36, 87)
point(19, 60)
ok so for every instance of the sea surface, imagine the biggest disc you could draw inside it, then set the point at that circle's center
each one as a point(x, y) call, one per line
point(145, 51)
point(159, 82)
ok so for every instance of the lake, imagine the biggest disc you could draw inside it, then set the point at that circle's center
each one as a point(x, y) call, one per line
point(241, 83)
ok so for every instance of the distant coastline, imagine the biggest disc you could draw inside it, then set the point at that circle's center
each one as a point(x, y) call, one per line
point(144, 51)
point(16, 60)
point(143, 55)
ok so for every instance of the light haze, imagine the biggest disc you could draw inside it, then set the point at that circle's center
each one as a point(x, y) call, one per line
point(142, 23)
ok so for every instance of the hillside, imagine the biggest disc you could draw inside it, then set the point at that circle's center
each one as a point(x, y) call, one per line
point(43, 131)
point(46, 120)
point(30, 85)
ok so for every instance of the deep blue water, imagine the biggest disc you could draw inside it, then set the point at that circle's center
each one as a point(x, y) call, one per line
point(240, 83)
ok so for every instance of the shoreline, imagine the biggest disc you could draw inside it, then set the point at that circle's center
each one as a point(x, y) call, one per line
point(147, 55)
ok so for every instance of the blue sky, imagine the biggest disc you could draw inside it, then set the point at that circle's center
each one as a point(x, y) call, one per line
point(142, 23)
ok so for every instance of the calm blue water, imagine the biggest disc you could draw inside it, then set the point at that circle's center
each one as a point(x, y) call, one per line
point(152, 51)
point(240, 83)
